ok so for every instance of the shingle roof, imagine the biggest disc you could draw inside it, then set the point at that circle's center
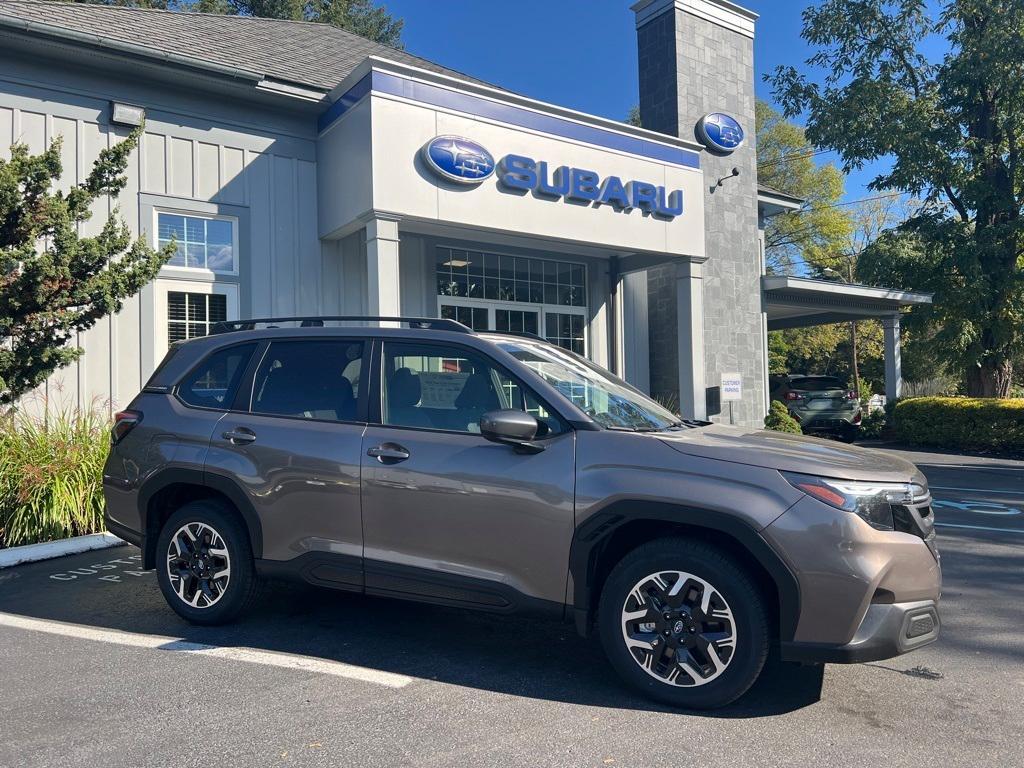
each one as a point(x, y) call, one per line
point(315, 55)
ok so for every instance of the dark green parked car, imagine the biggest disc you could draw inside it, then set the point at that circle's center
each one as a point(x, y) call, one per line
point(821, 404)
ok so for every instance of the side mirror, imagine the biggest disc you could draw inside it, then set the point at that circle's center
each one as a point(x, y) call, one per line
point(515, 428)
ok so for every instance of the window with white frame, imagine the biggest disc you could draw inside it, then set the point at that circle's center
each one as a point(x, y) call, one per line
point(192, 314)
point(203, 242)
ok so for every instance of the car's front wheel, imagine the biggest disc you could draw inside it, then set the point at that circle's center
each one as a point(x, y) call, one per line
point(684, 623)
point(204, 563)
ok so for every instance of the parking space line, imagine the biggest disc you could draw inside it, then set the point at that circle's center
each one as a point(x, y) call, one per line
point(974, 490)
point(979, 527)
point(248, 655)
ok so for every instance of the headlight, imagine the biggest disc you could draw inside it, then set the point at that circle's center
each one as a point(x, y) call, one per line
point(873, 502)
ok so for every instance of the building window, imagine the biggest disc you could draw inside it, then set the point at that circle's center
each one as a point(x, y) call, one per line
point(514, 294)
point(203, 243)
point(478, 275)
point(191, 314)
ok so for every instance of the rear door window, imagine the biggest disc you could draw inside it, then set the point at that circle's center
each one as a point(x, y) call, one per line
point(213, 382)
point(310, 380)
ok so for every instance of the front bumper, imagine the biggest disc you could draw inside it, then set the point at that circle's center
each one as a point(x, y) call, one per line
point(886, 631)
point(857, 585)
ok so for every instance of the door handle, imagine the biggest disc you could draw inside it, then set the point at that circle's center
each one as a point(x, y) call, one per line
point(239, 436)
point(388, 453)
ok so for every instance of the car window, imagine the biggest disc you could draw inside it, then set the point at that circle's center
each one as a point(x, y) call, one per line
point(212, 383)
point(817, 384)
point(309, 379)
point(433, 386)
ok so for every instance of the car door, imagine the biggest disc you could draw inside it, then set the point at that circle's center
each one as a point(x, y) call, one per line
point(295, 447)
point(448, 515)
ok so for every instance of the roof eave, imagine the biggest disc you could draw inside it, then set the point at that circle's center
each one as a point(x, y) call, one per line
point(380, 63)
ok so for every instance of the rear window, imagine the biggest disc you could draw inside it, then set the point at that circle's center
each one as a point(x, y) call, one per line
point(213, 382)
point(817, 384)
point(310, 380)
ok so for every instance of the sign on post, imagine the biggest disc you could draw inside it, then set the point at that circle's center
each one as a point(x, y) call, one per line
point(732, 386)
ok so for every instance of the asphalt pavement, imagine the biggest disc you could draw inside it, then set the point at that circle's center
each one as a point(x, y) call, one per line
point(95, 670)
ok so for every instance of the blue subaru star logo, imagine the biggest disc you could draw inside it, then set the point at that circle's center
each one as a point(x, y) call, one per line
point(720, 132)
point(458, 159)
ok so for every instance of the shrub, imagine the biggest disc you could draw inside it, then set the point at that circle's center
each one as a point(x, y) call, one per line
point(51, 476)
point(960, 423)
point(779, 420)
point(872, 425)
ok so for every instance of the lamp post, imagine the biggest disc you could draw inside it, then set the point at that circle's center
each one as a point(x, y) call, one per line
point(853, 327)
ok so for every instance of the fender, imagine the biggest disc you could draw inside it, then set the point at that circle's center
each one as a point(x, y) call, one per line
point(213, 480)
point(591, 535)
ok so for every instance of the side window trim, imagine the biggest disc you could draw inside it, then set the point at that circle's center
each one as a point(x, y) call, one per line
point(238, 384)
point(243, 395)
point(377, 384)
point(247, 388)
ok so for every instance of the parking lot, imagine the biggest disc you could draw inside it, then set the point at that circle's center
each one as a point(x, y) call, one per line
point(96, 670)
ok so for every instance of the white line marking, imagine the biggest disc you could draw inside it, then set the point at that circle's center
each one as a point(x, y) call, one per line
point(979, 527)
point(974, 490)
point(250, 655)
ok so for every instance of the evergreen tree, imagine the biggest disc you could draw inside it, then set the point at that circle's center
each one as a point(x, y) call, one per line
point(53, 282)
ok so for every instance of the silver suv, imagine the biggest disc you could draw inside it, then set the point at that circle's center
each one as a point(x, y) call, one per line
point(414, 458)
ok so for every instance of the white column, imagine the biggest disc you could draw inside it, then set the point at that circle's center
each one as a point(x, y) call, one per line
point(690, 335)
point(383, 294)
point(893, 367)
point(634, 349)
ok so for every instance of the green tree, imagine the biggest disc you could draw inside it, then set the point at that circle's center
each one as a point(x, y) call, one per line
point(954, 131)
point(359, 16)
point(53, 282)
point(785, 161)
point(839, 259)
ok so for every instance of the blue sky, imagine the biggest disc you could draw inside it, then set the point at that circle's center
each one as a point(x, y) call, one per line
point(578, 53)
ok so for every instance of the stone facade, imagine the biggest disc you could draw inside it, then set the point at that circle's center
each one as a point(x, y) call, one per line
point(690, 66)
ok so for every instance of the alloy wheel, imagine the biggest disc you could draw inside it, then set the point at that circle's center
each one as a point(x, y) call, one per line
point(678, 628)
point(198, 565)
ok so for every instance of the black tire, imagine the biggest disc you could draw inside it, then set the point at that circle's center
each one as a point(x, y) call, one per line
point(240, 587)
point(749, 623)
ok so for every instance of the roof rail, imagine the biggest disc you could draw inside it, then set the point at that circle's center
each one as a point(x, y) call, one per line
point(317, 321)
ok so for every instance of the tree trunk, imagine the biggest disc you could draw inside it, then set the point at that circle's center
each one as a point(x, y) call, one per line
point(853, 347)
point(990, 379)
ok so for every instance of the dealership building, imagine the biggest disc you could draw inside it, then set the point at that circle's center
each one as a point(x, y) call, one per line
point(306, 171)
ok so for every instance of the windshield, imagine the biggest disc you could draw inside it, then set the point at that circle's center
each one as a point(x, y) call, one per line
point(608, 400)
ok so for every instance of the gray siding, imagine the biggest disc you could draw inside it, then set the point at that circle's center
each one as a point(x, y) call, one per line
point(196, 155)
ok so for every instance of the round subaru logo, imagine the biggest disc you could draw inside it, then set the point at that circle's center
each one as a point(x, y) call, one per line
point(720, 132)
point(458, 159)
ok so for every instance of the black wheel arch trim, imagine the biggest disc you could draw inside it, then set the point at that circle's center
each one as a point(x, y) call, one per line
point(590, 537)
point(189, 476)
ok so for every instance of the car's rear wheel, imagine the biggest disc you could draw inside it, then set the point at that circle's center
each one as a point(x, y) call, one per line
point(684, 623)
point(204, 563)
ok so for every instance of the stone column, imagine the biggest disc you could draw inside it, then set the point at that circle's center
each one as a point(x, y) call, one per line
point(893, 366)
point(383, 295)
point(697, 57)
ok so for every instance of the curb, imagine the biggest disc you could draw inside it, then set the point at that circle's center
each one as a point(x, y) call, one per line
point(31, 553)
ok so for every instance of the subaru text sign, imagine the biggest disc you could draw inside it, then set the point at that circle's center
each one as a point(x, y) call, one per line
point(464, 161)
point(458, 159)
point(720, 132)
point(517, 173)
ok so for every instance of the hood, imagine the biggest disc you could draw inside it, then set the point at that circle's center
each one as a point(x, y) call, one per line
point(791, 453)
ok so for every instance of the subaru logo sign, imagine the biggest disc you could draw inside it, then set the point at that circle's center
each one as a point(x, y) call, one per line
point(720, 132)
point(458, 159)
